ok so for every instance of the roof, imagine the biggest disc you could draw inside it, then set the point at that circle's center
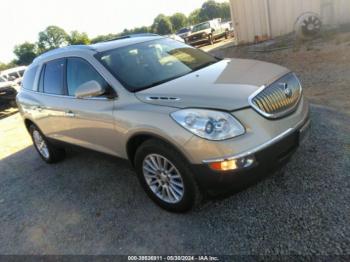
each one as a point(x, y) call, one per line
point(103, 46)
point(123, 41)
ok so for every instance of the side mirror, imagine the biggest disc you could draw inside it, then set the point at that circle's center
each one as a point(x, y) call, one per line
point(89, 89)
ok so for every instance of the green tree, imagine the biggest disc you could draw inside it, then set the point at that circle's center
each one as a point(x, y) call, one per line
point(52, 37)
point(156, 22)
point(193, 18)
point(225, 12)
point(164, 26)
point(211, 9)
point(4, 66)
point(25, 53)
point(103, 38)
point(77, 38)
point(136, 30)
point(178, 20)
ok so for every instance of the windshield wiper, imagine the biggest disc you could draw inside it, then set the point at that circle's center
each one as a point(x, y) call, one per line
point(205, 65)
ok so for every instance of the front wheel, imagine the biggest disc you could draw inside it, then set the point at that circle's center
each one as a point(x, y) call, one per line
point(166, 177)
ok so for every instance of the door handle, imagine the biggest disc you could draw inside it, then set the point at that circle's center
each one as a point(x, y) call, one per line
point(70, 114)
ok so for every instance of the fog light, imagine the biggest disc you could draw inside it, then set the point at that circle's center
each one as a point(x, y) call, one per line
point(233, 164)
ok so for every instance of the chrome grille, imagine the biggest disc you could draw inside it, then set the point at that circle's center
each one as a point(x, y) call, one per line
point(278, 99)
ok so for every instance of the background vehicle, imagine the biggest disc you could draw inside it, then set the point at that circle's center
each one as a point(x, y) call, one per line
point(228, 26)
point(188, 122)
point(14, 74)
point(8, 91)
point(207, 32)
point(184, 32)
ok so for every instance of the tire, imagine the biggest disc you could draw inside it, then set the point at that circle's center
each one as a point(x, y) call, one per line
point(13, 103)
point(180, 174)
point(48, 152)
point(210, 39)
point(226, 35)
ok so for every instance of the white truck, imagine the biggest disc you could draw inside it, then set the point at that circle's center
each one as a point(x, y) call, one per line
point(208, 32)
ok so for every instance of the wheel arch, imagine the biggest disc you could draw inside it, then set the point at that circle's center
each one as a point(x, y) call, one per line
point(28, 122)
point(136, 140)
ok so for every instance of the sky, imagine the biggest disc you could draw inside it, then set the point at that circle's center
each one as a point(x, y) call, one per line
point(22, 20)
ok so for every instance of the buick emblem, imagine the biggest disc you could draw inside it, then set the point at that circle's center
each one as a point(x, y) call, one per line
point(288, 92)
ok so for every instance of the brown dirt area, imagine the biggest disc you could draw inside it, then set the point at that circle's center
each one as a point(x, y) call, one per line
point(323, 66)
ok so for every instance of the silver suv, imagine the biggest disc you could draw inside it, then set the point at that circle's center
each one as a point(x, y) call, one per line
point(189, 123)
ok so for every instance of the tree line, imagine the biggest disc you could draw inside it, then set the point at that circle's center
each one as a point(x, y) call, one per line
point(54, 37)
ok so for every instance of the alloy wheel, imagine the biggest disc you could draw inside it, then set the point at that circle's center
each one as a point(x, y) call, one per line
point(163, 178)
point(40, 144)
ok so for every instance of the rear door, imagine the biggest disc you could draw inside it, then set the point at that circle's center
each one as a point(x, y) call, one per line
point(51, 111)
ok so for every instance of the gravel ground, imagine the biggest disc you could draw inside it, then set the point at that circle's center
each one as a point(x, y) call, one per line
point(93, 204)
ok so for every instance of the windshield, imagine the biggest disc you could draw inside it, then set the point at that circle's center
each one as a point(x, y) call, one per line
point(200, 27)
point(183, 30)
point(151, 63)
point(1, 80)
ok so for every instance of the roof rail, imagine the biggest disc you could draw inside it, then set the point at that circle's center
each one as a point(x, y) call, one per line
point(131, 36)
point(66, 48)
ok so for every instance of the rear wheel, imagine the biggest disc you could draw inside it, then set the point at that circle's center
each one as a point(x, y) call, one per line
point(211, 39)
point(48, 152)
point(166, 177)
point(226, 34)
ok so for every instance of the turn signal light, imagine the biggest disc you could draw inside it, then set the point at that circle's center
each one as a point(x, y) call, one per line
point(224, 165)
point(233, 164)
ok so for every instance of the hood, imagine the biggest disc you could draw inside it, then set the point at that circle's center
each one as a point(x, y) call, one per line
point(225, 85)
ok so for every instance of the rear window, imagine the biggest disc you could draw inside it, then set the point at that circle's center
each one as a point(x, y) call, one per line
point(53, 77)
point(29, 77)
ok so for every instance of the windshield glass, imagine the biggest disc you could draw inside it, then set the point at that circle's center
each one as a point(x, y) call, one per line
point(200, 27)
point(151, 63)
point(1, 80)
point(183, 30)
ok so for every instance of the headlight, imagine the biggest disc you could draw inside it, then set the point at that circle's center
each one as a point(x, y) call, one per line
point(209, 124)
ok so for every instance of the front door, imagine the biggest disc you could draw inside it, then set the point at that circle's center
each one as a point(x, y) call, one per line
point(91, 121)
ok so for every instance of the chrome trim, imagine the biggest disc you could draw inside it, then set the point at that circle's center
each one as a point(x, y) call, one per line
point(252, 151)
point(162, 98)
point(278, 115)
point(69, 97)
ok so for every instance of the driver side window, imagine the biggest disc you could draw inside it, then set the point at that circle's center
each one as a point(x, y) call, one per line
point(79, 72)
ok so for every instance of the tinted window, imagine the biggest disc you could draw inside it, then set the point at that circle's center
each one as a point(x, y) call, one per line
point(53, 77)
point(151, 63)
point(29, 77)
point(183, 30)
point(79, 72)
point(200, 27)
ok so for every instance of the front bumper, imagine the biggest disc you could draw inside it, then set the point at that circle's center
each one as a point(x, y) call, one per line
point(269, 157)
point(198, 40)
